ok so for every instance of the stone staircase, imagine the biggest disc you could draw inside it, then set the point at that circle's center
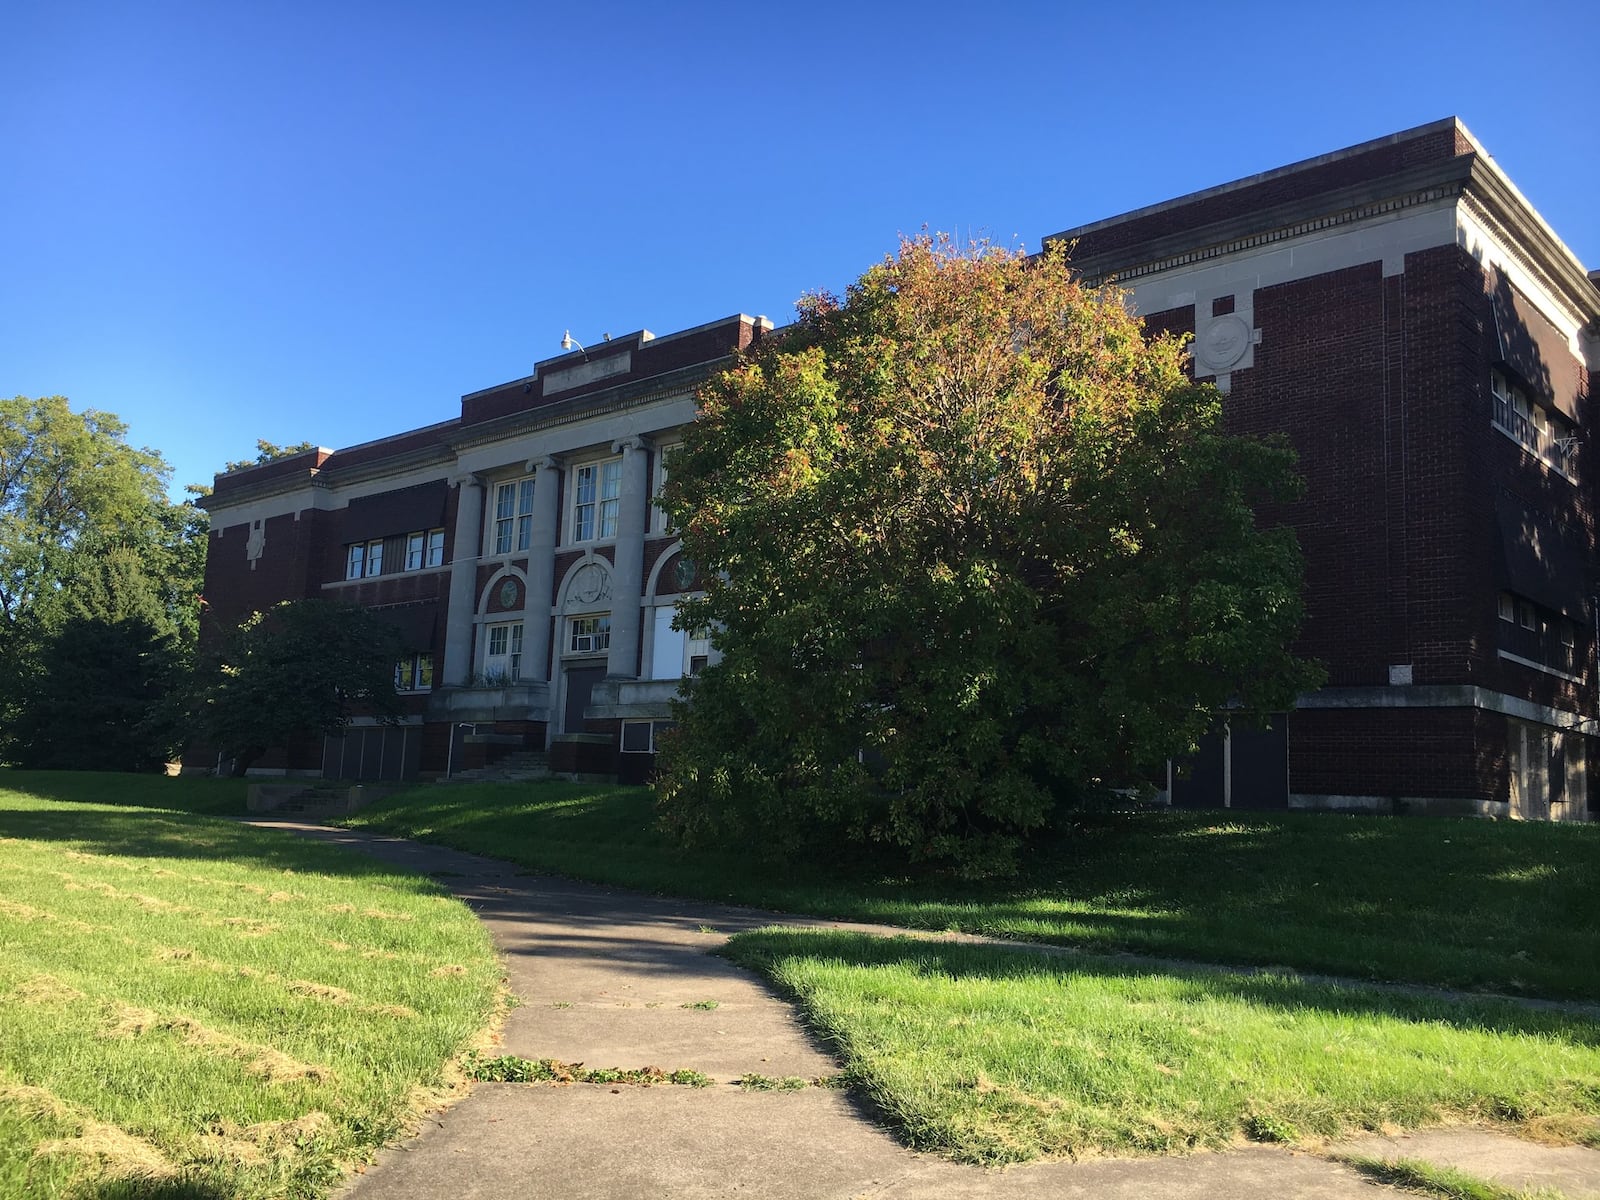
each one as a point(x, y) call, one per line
point(312, 799)
point(523, 766)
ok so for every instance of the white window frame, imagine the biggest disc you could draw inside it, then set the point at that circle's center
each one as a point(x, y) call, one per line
point(655, 728)
point(512, 530)
point(509, 635)
point(414, 673)
point(659, 522)
point(1529, 423)
point(1508, 607)
point(362, 560)
point(424, 548)
point(595, 519)
point(589, 633)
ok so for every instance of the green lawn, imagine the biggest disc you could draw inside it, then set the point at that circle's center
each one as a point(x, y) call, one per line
point(1477, 904)
point(194, 1008)
point(188, 793)
point(993, 1055)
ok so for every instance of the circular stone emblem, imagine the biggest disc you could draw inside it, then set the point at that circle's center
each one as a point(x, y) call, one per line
point(590, 584)
point(508, 593)
point(1224, 342)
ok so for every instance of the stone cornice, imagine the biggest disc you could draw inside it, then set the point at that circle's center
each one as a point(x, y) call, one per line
point(673, 385)
point(1430, 183)
point(1471, 179)
point(1491, 199)
point(328, 478)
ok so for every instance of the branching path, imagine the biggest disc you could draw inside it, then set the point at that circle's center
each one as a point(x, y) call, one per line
point(614, 979)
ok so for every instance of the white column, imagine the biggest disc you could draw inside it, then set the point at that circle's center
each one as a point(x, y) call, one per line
point(627, 581)
point(463, 581)
point(541, 567)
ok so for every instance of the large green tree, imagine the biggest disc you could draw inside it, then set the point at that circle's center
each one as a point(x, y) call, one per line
point(975, 548)
point(99, 576)
point(302, 668)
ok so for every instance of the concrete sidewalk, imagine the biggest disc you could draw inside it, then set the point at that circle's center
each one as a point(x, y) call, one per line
point(609, 978)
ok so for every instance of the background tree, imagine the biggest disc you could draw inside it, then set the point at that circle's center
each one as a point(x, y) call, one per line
point(975, 547)
point(107, 673)
point(267, 451)
point(99, 577)
point(304, 667)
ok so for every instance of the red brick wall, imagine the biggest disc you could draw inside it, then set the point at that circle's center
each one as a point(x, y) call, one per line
point(1318, 378)
point(1447, 753)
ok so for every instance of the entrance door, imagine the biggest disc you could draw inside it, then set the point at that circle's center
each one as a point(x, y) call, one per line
point(580, 682)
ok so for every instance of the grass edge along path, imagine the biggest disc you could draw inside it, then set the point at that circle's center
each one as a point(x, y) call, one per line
point(192, 1007)
point(995, 1055)
point(1444, 1183)
point(1453, 903)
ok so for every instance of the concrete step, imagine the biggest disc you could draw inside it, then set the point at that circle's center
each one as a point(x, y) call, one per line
point(524, 766)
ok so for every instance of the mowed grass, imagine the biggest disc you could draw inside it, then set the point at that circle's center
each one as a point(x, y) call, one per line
point(194, 1008)
point(994, 1055)
point(1496, 906)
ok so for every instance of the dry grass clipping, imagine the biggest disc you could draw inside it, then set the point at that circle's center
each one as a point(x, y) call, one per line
point(34, 1101)
point(114, 1152)
point(263, 1061)
point(44, 989)
point(386, 916)
point(320, 991)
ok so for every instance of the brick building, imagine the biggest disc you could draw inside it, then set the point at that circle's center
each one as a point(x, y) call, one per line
point(516, 549)
point(1397, 309)
point(1423, 338)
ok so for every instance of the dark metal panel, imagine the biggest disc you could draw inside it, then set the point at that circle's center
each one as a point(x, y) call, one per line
point(1259, 774)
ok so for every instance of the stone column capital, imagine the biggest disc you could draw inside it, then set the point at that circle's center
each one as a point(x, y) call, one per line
point(635, 442)
point(545, 462)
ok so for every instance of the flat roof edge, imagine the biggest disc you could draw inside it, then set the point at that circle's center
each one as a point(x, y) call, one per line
point(1222, 189)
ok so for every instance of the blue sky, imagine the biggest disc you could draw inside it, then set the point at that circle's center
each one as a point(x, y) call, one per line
point(326, 221)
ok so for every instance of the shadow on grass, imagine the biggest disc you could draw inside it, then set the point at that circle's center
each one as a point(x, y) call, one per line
point(763, 950)
point(1455, 903)
point(136, 833)
point(193, 794)
point(157, 1189)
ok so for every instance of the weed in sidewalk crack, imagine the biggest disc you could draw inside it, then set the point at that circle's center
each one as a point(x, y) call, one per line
point(751, 1081)
point(512, 1068)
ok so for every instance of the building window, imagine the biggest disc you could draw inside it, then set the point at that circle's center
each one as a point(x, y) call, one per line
point(1548, 435)
point(363, 559)
point(659, 522)
point(425, 548)
point(513, 516)
point(643, 737)
point(503, 662)
point(1536, 636)
point(414, 674)
point(590, 635)
point(596, 496)
point(1566, 653)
